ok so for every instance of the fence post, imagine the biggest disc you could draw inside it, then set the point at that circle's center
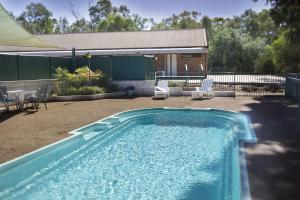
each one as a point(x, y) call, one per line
point(73, 59)
point(234, 83)
point(50, 67)
point(285, 84)
point(296, 87)
point(18, 66)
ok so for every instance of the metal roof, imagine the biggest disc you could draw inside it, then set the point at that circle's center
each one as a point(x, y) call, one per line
point(192, 38)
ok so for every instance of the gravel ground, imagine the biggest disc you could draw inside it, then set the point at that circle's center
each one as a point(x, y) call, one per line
point(273, 163)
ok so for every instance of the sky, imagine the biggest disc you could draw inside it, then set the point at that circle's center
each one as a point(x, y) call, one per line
point(156, 9)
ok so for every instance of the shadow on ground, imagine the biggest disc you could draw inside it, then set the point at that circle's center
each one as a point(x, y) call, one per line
point(274, 162)
point(5, 115)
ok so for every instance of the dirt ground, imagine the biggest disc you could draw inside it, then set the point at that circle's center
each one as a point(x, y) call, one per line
point(273, 163)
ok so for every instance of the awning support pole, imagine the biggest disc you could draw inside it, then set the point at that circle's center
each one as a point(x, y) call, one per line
point(73, 59)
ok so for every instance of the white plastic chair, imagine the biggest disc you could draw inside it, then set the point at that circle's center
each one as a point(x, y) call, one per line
point(205, 89)
point(161, 91)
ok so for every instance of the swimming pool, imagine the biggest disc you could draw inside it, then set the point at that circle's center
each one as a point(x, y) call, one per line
point(160, 153)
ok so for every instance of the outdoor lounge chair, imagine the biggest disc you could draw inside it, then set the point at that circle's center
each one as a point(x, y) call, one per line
point(6, 100)
point(161, 91)
point(41, 96)
point(205, 90)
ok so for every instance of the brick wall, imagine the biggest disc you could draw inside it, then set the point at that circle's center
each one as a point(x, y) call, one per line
point(161, 62)
point(193, 61)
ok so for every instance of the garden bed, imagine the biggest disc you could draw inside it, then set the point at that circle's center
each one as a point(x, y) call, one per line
point(87, 97)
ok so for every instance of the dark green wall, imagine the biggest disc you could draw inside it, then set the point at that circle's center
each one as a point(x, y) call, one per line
point(128, 68)
point(29, 67)
point(8, 68)
point(33, 67)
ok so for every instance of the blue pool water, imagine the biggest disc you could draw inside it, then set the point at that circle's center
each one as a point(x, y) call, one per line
point(141, 154)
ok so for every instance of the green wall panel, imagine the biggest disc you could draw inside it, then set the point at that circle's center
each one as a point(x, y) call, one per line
point(128, 68)
point(103, 63)
point(34, 67)
point(8, 68)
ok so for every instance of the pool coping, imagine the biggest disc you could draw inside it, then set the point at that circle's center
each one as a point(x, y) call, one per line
point(244, 179)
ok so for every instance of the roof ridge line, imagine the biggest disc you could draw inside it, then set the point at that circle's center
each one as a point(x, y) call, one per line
point(142, 31)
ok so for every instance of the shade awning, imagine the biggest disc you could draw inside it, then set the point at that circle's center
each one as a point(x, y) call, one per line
point(12, 34)
point(113, 52)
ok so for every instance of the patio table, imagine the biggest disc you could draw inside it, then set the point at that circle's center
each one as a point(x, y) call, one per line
point(13, 93)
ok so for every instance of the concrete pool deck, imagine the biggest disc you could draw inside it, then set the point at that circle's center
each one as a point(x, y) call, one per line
point(273, 163)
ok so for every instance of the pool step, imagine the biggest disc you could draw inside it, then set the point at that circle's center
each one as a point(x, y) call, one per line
point(111, 121)
point(88, 136)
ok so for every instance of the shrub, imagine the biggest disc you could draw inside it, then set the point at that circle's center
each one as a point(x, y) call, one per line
point(272, 88)
point(87, 90)
point(249, 88)
point(84, 90)
point(113, 88)
point(81, 82)
point(175, 84)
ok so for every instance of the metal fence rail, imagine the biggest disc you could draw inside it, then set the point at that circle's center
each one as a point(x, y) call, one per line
point(292, 89)
point(241, 84)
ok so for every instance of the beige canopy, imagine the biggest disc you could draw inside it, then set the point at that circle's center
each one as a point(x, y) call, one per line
point(12, 34)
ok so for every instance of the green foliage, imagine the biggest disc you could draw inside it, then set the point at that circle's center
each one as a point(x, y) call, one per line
point(185, 20)
point(116, 22)
point(37, 19)
point(81, 82)
point(112, 88)
point(286, 56)
point(249, 88)
point(286, 48)
point(286, 14)
point(80, 26)
point(264, 63)
point(86, 90)
point(62, 26)
point(232, 50)
point(83, 90)
point(105, 17)
point(100, 11)
point(206, 23)
point(176, 84)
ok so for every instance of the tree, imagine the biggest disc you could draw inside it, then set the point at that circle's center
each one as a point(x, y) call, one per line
point(124, 11)
point(37, 19)
point(233, 50)
point(80, 26)
point(264, 63)
point(234, 23)
point(286, 49)
point(285, 54)
point(100, 11)
point(250, 23)
point(267, 26)
point(206, 23)
point(185, 20)
point(286, 14)
point(62, 25)
point(140, 22)
point(115, 22)
point(105, 17)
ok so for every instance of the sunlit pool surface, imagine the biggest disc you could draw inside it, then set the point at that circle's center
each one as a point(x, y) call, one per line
point(140, 154)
